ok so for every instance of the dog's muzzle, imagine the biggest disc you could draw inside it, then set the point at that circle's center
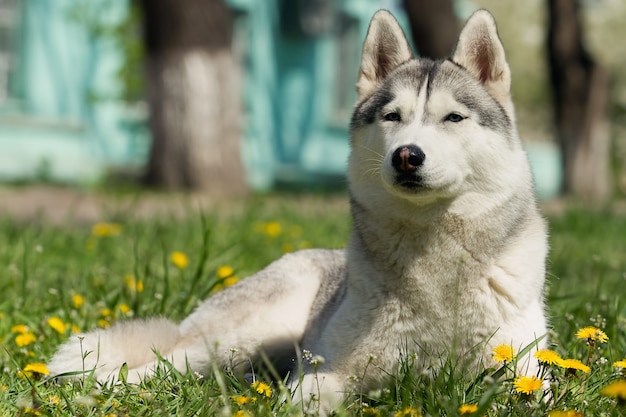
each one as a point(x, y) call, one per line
point(406, 161)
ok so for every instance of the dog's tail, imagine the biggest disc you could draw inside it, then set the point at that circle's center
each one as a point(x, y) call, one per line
point(104, 352)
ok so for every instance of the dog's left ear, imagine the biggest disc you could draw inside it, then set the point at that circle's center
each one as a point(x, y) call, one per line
point(385, 48)
point(481, 53)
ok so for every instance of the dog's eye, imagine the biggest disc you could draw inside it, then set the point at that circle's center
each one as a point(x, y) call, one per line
point(454, 118)
point(392, 117)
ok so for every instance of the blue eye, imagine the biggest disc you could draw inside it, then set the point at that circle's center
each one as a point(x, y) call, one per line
point(392, 117)
point(454, 118)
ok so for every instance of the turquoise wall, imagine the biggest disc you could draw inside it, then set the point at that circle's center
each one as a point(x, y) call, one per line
point(64, 119)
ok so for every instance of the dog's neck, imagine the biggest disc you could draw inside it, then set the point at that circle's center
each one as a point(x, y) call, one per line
point(435, 238)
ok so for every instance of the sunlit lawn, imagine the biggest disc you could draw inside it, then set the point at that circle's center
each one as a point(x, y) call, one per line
point(59, 280)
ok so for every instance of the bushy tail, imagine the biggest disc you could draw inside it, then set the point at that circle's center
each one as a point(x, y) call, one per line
point(104, 351)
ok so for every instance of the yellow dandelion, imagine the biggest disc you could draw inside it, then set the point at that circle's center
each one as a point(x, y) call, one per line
point(31, 411)
point(620, 364)
point(574, 364)
point(133, 284)
point(408, 412)
point(19, 328)
point(102, 323)
point(58, 325)
point(75, 329)
point(179, 259)
point(53, 399)
point(78, 301)
point(37, 367)
point(592, 334)
point(503, 353)
point(272, 229)
point(370, 412)
point(615, 389)
point(262, 388)
point(565, 413)
point(106, 312)
point(106, 229)
point(241, 413)
point(124, 308)
point(224, 271)
point(467, 409)
point(547, 356)
point(242, 400)
point(230, 281)
point(527, 384)
point(24, 339)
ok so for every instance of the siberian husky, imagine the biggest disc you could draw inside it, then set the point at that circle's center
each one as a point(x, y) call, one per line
point(446, 257)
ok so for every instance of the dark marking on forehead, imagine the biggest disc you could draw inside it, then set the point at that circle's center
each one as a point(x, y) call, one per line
point(408, 75)
point(471, 93)
point(365, 112)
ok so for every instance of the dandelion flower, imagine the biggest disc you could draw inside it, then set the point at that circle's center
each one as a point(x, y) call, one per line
point(25, 339)
point(568, 413)
point(78, 301)
point(133, 284)
point(106, 229)
point(224, 271)
point(179, 259)
point(615, 389)
point(241, 413)
point(370, 412)
point(57, 324)
point(272, 229)
point(547, 356)
point(503, 353)
point(53, 399)
point(467, 409)
point(19, 328)
point(408, 412)
point(620, 364)
point(262, 388)
point(575, 365)
point(242, 400)
point(592, 334)
point(527, 384)
point(230, 281)
point(124, 308)
point(37, 367)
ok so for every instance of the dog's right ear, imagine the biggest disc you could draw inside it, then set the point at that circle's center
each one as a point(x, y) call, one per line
point(385, 48)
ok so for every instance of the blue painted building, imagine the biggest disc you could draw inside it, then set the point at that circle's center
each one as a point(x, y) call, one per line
point(62, 116)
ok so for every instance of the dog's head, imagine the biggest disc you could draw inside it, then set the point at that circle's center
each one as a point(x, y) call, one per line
point(425, 131)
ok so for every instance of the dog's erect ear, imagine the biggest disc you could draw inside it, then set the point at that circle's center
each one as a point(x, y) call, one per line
point(481, 53)
point(385, 48)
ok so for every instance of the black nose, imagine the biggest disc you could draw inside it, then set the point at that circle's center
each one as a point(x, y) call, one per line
point(406, 159)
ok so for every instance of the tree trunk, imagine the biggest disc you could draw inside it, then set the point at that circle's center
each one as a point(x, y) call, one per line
point(434, 26)
point(580, 95)
point(194, 96)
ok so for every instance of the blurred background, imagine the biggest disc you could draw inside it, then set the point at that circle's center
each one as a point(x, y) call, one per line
point(237, 96)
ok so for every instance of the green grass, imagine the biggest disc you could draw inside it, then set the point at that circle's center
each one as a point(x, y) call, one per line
point(45, 267)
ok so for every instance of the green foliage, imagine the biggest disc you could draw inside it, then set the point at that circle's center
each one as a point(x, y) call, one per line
point(61, 279)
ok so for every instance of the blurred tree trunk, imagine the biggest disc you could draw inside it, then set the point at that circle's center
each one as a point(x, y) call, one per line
point(194, 96)
point(434, 26)
point(580, 95)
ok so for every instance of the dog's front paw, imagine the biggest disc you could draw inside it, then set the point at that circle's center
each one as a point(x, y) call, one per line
point(318, 393)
